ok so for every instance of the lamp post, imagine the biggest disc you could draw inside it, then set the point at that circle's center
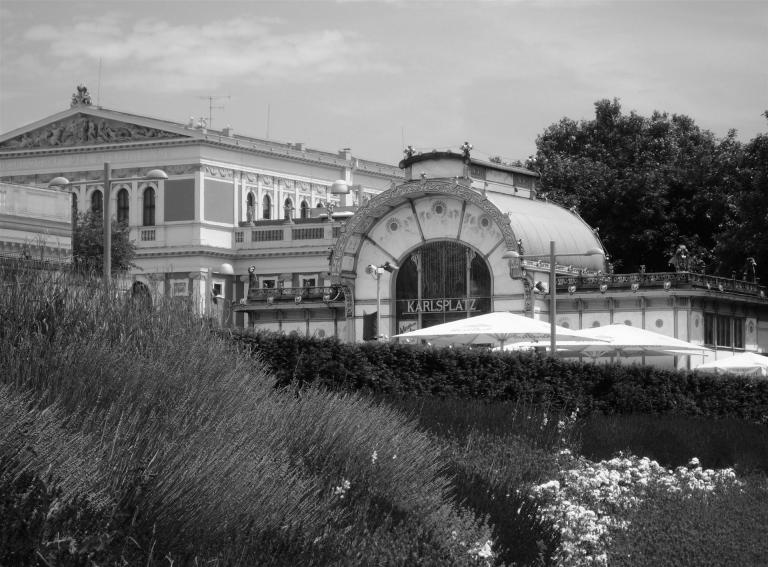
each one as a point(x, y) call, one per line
point(153, 175)
point(376, 272)
point(514, 254)
point(338, 187)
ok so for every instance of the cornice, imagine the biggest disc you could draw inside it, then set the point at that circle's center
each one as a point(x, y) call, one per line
point(229, 255)
point(286, 153)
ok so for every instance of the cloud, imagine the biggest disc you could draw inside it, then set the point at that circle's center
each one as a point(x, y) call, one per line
point(176, 58)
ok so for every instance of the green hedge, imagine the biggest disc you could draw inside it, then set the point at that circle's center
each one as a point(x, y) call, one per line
point(393, 369)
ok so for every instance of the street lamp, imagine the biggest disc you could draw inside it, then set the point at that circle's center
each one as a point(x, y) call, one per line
point(59, 182)
point(376, 272)
point(338, 187)
point(514, 254)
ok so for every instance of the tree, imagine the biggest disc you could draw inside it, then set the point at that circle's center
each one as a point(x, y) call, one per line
point(745, 235)
point(88, 244)
point(647, 184)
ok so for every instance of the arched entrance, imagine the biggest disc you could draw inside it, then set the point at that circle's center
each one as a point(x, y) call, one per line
point(439, 282)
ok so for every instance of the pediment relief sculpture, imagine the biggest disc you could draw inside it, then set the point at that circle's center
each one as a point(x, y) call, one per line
point(84, 130)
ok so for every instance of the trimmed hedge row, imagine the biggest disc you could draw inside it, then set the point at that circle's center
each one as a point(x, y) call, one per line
point(393, 369)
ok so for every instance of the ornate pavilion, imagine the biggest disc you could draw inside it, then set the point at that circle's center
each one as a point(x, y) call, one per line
point(280, 236)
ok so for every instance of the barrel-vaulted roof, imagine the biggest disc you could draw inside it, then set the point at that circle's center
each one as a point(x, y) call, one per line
point(536, 223)
point(533, 222)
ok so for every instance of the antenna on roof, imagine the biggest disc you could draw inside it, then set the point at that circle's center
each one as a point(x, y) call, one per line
point(212, 98)
point(268, 109)
point(98, 86)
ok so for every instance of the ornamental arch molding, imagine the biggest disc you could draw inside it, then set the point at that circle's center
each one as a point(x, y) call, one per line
point(404, 204)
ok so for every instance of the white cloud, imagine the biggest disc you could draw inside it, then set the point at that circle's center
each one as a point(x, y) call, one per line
point(175, 58)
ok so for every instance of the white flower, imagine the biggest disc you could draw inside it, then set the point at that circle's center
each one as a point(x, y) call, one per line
point(484, 551)
point(374, 456)
point(342, 489)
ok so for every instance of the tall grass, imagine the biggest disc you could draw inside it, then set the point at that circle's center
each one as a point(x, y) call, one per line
point(182, 451)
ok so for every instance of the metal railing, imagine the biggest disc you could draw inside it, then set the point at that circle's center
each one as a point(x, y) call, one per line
point(327, 294)
point(660, 280)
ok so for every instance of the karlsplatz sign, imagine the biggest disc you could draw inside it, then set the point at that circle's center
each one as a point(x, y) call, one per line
point(441, 305)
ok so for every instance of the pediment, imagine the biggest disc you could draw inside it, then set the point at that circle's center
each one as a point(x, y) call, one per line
point(83, 130)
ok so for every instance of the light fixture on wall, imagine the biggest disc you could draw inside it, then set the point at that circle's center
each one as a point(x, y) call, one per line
point(376, 271)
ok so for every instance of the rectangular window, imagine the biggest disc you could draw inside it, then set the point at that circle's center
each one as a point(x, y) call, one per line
point(239, 237)
point(268, 284)
point(724, 337)
point(308, 282)
point(179, 288)
point(477, 172)
point(738, 332)
point(266, 235)
point(307, 233)
point(709, 329)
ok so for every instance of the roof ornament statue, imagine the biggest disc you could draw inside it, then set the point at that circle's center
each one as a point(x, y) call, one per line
point(466, 147)
point(409, 152)
point(81, 97)
point(681, 259)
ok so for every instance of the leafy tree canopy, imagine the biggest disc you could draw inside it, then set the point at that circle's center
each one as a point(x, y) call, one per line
point(648, 184)
point(88, 244)
point(746, 233)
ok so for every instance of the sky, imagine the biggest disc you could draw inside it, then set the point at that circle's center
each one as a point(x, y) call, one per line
point(376, 76)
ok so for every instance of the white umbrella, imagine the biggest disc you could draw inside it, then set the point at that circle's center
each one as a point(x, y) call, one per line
point(491, 328)
point(625, 340)
point(748, 363)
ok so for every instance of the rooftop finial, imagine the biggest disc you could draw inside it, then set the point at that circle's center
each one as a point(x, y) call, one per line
point(465, 149)
point(81, 97)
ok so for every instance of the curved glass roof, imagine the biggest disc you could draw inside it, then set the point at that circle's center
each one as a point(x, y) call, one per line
point(538, 222)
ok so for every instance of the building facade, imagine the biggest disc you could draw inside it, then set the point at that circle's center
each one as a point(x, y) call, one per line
point(260, 233)
point(35, 224)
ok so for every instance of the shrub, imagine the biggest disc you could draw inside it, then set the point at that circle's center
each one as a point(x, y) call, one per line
point(189, 454)
point(724, 528)
point(408, 370)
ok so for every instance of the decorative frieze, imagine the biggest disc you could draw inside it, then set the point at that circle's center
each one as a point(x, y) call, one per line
point(223, 172)
point(83, 130)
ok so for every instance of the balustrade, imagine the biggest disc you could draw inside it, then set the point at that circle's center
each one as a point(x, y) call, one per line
point(663, 280)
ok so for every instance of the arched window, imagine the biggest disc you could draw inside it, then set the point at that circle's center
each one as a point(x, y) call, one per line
point(149, 207)
point(288, 209)
point(122, 206)
point(266, 210)
point(440, 282)
point(304, 210)
point(250, 207)
point(97, 203)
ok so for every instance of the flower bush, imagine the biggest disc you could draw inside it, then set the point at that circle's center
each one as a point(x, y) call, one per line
point(590, 501)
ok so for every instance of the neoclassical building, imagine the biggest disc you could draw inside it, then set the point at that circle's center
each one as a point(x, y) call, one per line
point(35, 224)
point(284, 237)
